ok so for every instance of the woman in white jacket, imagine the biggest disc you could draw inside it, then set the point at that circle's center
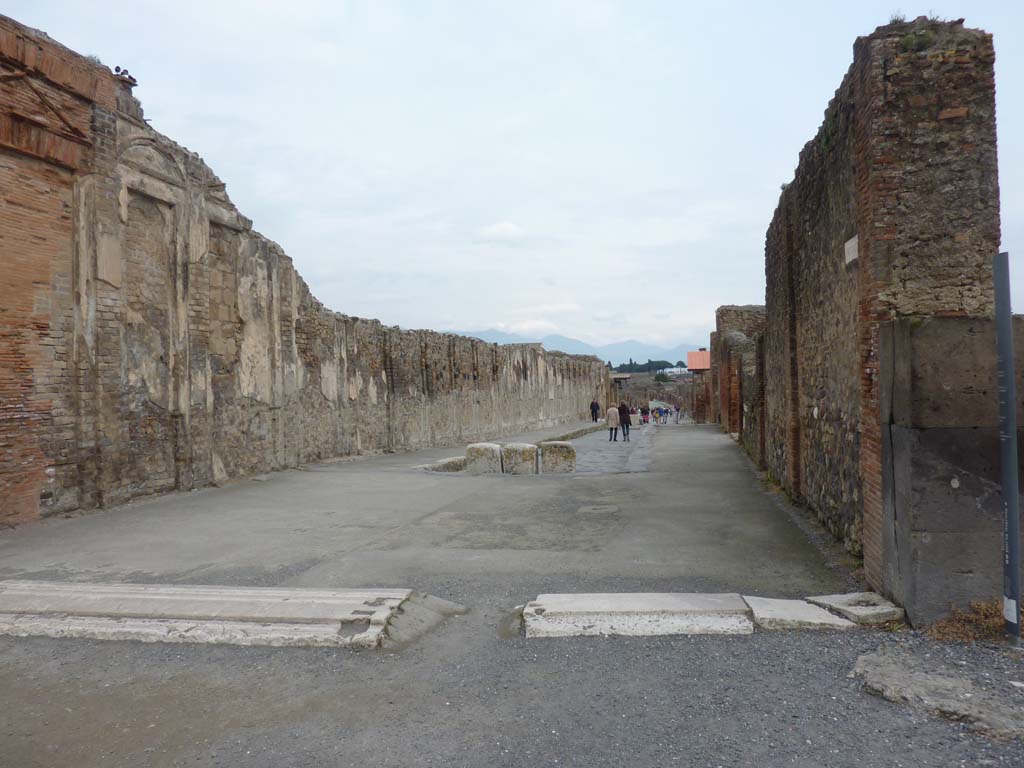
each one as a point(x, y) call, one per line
point(613, 423)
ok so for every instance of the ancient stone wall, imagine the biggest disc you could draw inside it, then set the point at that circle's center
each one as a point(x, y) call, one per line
point(943, 506)
point(751, 399)
point(870, 395)
point(700, 394)
point(151, 340)
point(812, 342)
point(928, 205)
point(893, 211)
point(733, 348)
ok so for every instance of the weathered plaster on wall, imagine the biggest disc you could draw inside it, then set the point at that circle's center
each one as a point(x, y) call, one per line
point(164, 344)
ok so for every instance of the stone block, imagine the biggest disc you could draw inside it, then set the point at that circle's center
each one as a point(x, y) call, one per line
point(860, 607)
point(166, 613)
point(942, 518)
point(638, 614)
point(519, 459)
point(453, 464)
point(557, 457)
point(771, 613)
point(483, 459)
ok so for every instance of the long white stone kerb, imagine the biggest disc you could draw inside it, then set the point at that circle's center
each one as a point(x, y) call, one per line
point(367, 618)
point(637, 614)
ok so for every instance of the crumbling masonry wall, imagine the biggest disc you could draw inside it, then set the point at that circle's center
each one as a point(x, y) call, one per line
point(700, 395)
point(733, 361)
point(892, 218)
point(151, 340)
point(870, 396)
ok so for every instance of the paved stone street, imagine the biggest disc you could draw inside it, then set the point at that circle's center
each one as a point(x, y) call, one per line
point(599, 455)
point(677, 509)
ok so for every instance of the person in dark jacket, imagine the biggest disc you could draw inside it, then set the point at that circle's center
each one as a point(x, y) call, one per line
point(595, 409)
point(624, 421)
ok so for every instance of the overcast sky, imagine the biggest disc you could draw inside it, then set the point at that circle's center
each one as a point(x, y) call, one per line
point(602, 170)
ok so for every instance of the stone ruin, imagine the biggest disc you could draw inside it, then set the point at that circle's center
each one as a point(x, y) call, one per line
point(551, 457)
point(151, 340)
point(866, 385)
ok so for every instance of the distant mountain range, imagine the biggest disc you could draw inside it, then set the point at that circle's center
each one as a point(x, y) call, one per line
point(619, 352)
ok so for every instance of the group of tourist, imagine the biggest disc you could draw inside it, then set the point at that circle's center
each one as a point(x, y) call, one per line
point(621, 417)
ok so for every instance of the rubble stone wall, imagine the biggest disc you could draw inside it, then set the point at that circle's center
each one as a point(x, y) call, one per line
point(151, 340)
point(893, 212)
point(733, 348)
point(700, 395)
point(811, 342)
point(751, 398)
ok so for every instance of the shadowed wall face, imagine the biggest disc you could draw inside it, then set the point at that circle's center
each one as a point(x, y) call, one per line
point(152, 341)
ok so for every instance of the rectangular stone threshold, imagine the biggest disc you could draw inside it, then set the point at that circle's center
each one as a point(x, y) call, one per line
point(670, 613)
point(361, 618)
point(638, 614)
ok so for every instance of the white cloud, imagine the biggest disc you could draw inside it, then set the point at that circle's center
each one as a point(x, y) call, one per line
point(564, 308)
point(533, 327)
point(488, 165)
point(502, 233)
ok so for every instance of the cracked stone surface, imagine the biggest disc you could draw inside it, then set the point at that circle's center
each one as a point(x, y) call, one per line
point(897, 674)
point(775, 613)
point(860, 607)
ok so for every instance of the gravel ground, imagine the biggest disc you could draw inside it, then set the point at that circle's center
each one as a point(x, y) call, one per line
point(477, 696)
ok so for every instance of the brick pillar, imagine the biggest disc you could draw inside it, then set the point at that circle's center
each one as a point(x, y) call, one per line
point(924, 131)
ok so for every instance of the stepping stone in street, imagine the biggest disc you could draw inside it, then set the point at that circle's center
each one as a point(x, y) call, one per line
point(860, 607)
point(772, 613)
point(362, 618)
point(637, 614)
point(519, 459)
point(483, 459)
point(557, 457)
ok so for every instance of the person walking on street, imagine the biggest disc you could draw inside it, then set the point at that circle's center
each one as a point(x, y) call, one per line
point(624, 421)
point(595, 408)
point(613, 424)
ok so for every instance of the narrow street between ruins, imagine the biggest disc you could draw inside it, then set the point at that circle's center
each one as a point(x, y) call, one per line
point(678, 509)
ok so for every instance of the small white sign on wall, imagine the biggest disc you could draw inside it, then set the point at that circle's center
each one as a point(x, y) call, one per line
point(851, 250)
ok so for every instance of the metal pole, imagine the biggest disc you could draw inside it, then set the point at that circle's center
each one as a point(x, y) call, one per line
point(1008, 448)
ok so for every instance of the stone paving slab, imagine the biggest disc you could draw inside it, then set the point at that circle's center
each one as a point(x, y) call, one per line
point(773, 613)
point(214, 614)
point(860, 607)
point(636, 614)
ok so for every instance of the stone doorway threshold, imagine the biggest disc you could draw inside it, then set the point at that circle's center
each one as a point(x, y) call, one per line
point(642, 614)
point(355, 618)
